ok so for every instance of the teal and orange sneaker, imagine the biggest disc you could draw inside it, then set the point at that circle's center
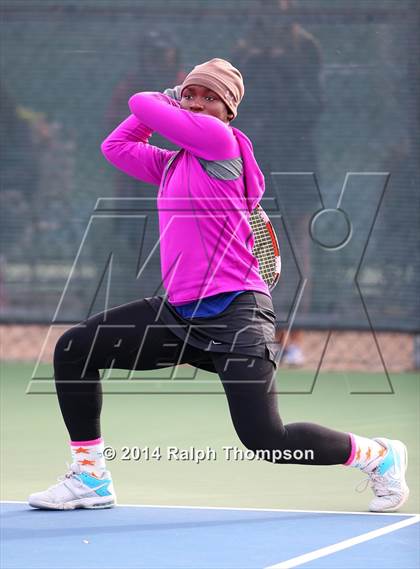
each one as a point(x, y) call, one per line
point(76, 489)
point(387, 480)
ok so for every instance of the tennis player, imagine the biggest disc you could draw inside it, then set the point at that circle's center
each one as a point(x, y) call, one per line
point(217, 314)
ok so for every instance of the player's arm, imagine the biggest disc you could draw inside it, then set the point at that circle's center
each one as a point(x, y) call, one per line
point(203, 135)
point(128, 149)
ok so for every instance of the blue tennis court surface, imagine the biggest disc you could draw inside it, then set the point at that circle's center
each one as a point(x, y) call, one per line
point(168, 537)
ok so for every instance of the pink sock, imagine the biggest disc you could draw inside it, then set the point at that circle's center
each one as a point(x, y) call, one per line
point(365, 453)
point(89, 455)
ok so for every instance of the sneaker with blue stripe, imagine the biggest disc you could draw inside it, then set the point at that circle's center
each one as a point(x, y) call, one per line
point(387, 480)
point(76, 489)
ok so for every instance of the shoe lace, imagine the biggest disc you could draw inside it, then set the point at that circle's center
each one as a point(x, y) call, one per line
point(71, 471)
point(374, 480)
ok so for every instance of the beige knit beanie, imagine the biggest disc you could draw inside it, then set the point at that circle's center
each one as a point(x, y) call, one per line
point(222, 78)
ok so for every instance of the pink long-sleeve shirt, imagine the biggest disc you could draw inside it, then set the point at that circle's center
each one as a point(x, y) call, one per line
point(203, 202)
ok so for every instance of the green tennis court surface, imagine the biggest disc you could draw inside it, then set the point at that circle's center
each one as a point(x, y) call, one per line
point(34, 441)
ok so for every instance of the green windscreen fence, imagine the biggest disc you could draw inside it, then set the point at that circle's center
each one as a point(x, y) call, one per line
point(331, 106)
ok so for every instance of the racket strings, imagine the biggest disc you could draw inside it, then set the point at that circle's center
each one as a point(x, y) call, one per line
point(264, 248)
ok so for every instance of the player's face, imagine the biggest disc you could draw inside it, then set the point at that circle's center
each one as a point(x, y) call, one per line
point(198, 99)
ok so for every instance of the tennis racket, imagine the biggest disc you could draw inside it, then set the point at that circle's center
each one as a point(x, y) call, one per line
point(266, 247)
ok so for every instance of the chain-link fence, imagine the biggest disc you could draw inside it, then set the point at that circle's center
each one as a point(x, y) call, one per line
point(331, 106)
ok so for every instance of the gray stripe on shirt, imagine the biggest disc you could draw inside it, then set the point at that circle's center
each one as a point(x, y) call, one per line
point(223, 169)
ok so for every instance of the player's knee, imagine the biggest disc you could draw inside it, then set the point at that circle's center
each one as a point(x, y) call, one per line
point(70, 346)
point(252, 443)
point(255, 439)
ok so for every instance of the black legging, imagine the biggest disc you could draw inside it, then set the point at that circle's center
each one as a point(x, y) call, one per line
point(117, 339)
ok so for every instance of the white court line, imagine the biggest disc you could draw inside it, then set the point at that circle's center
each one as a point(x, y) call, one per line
point(324, 551)
point(227, 508)
point(280, 510)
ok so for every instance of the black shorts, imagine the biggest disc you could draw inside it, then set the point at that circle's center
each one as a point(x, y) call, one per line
point(246, 326)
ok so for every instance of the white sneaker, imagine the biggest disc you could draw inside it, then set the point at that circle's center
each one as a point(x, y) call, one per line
point(76, 489)
point(388, 478)
point(293, 356)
